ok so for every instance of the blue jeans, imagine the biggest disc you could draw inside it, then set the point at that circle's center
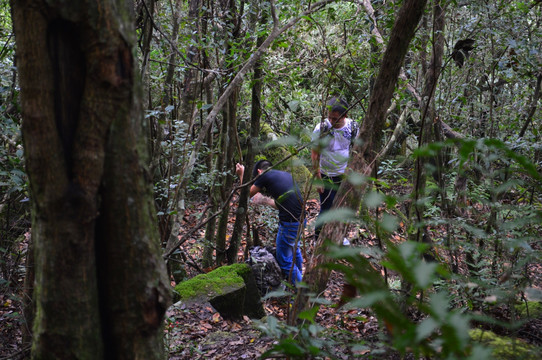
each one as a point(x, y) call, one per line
point(286, 237)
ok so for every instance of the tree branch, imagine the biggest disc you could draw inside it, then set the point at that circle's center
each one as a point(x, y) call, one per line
point(533, 106)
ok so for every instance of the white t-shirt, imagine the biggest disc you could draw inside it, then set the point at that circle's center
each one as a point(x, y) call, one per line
point(334, 157)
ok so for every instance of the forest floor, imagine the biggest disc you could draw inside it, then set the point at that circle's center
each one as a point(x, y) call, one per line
point(199, 332)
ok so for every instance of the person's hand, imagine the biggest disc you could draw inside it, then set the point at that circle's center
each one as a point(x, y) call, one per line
point(239, 170)
point(258, 199)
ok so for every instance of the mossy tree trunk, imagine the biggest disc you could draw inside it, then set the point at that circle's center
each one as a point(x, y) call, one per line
point(100, 285)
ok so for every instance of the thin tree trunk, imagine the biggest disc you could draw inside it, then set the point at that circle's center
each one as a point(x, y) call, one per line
point(208, 247)
point(186, 111)
point(230, 124)
point(255, 116)
point(532, 107)
point(427, 129)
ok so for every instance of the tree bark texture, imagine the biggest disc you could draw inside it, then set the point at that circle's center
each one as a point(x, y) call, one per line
point(365, 151)
point(100, 289)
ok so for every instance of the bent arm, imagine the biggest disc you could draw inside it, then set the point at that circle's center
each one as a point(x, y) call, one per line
point(254, 190)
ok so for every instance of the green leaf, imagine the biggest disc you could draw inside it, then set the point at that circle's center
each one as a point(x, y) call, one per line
point(389, 222)
point(356, 179)
point(373, 199)
point(309, 314)
point(460, 324)
point(289, 347)
point(424, 273)
point(439, 306)
point(283, 141)
point(339, 215)
point(425, 328)
point(294, 105)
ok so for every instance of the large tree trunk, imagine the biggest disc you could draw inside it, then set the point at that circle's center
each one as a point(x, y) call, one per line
point(100, 286)
point(365, 151)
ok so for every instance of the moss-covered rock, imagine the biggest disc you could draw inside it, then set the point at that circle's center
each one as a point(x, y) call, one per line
point(504, 348)
point(231, 290)
point(214, 283)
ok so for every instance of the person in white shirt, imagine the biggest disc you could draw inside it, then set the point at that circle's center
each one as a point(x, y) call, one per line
point(329, 161)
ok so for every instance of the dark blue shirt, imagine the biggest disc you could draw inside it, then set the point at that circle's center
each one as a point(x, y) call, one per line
point(280, 186)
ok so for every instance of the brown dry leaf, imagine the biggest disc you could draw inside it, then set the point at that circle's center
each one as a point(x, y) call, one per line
point(235, 327)
point(205, 325)
point(216, 317)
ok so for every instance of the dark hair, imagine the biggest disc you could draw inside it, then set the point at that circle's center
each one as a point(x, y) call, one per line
point(261, 165)
point(337, 104)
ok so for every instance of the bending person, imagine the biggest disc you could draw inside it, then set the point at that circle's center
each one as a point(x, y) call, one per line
point(287, 199)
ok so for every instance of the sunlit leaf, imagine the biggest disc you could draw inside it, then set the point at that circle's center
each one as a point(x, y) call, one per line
point(424, 273)
point(373, 199)
point(426, 328)
point(283, 141)
point(339, 215)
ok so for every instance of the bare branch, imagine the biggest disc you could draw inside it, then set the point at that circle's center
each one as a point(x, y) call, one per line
point(395, 135)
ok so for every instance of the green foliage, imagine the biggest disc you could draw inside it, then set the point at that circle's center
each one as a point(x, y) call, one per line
point(443, 331)
point(498, 243)
point(307, 340)
point(529, 309)
point(495, 219)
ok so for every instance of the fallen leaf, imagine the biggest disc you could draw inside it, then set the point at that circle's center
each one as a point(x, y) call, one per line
point(216, 317)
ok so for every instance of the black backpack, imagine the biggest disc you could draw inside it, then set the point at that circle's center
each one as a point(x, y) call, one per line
point(265, 269)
